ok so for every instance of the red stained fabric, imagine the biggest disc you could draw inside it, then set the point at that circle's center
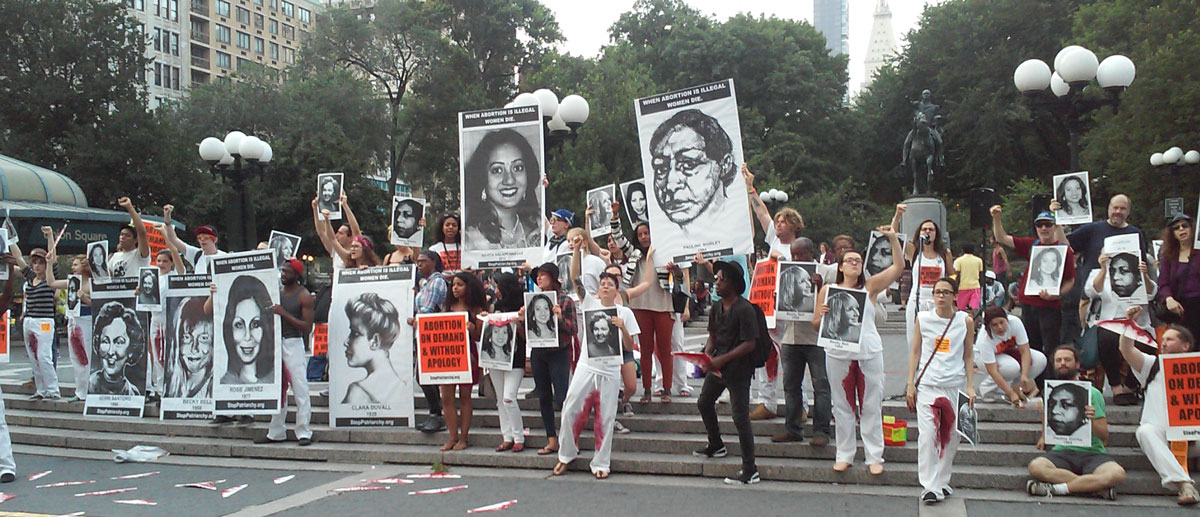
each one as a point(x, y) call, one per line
point(287, 381)
point(590, 405)
point(78, 346)
point(944, 420)
point(855, 385)
point(772, 365)
point(32, 339)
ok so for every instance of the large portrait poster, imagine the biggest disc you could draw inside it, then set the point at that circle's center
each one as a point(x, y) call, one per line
point(1046, 265)
point(599, 201)
point(635, 202)
point(443, 348)
point(370, 369)
point(762, 288)
point(329, 193)
point(499, 340)
point(246, 357)
point(407, 213)
point(691, 144)
point(1122, 273)
point(841, 327)
point(601, 338)
point(1075, 197)
point(541, 325)
point(117, 354)
point(1066, 413)
point(188, 375)
point(500, 157)
point(1181, 380)
point(796, 291)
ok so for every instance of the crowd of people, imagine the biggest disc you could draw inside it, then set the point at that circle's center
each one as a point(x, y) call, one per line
point(958, 315)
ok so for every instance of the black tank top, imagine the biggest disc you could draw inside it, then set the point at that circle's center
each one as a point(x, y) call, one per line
point(291, 304)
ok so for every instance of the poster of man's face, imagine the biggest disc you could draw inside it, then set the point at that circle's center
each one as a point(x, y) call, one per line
point(407, 213)
point(97, 257)
point(599, 201)
point(329, 193)
point(285, 245)
point(603, 338)
point(74, 284)
point(633, 194)
point(841, 327)
point(795, 290)
point(1074, 196)
point(1045, 269)
point(1066, 413)
point(118, 350)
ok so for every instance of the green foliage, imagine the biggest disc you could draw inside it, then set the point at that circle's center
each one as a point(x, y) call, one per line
point(841, 209)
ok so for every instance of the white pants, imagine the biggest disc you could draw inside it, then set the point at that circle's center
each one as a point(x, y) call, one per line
point(871, 424)
point(595, 394)
point(79, 339)
point(158, 336)
point(680, 374)
point(7, 463)
point(934, 466)
point(39, 344)
point(295, 372)
point(1010, 369)
point(506, 384)
point(1153, 441)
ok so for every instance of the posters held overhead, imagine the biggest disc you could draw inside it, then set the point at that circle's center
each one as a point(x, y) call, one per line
point(285, 246)
point(189, 338)
point(634, 202)
point(407, 213)
point(1074, 194)
point(541, 325)
point(443, 348)
point(599, 201)
point(1066, 413)
point(118, 353)
point(841, 327)
point(329, 193)
point(503, 200)
point(246, 357)
point(691, 144)
point(796, 291)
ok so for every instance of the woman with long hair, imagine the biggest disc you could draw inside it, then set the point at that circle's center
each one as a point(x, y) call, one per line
point(448, 242)
point(860, 374)
point(191, 372)
point(551, 367)
point(541, 324)
point(1179, 273)
point(930, 259)
point(465, 295)
point(249, 332)
point(941, 364)
point(510, 297)
point(1043, 270)
point(1072, 196)
point(344, 235)
point(501, 205)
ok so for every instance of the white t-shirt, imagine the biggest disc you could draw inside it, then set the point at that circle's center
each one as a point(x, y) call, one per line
point(925, 275)
point(986, 346)
point(451, 258)
point(626, 315)
point(947, 369)
point(772, 240)
point(1111, 307)
point(1154, 409)
point(589, 274)
point(126, 263)
point(551, 251)
point(199, 259)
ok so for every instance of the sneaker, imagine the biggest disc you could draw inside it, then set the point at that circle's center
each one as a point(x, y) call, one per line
point(930, 498)
point(305, 442)
point(7, 477)
point(1109, 493)
point(743, 478)
point(620, 429)
point(433, 424)
point(1187, 494)
point(1038, 488)
point(947, 491)
point(711, 452)
point(627, 409)
point(245, 421)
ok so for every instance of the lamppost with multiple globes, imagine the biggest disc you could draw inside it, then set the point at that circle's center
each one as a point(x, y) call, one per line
point(1074, 69)
point(773, 197)
point(1175, 158)
point(237, 158)
point(562, 119)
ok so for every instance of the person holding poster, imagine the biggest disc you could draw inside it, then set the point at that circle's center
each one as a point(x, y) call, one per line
point(295, 311)
point(345, 234)
point(38, 319)
point(79, 322)
point(859, 374)
point(431, 294)
point(799, 350)
point(1077, 470)
point(1104, 289)
point(941, 365)
point(599, 201)
point(1152, 429)
point(931, 260)
point(1179, 274)
point(199, 257)
point(247, 357)
point(634, 194)
point(551, 367)
point(465, 295)
point(509, 299)
point(133, 248)
point(596, 386)
point(359, 254)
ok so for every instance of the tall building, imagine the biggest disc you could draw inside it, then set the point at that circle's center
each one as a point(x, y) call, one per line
point(832, 18)
point(882, 44)
point(167, 78)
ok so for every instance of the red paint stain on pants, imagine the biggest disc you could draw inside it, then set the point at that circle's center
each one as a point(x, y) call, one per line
point(590, 405)
point(78, 347)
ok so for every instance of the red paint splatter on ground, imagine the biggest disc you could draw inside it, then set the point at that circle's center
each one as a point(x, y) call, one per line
point(78, 347)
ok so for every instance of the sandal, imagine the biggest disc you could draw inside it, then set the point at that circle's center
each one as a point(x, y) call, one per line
point(546, 450)
point(518, 447)
point(645, 399)
point(665, 399)
point(658, 392)
point(685, 393)
point(560, 468)
point(450, 444)
point(504, 447)
point(601, 474)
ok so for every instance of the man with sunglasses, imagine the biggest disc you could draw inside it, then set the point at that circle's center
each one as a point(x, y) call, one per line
point(1041, 314)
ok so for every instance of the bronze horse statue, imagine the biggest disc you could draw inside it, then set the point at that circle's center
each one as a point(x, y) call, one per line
point(920, 150)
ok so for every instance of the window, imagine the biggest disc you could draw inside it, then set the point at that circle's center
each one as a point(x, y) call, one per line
point(289, 32)
point(158, 39)
point(243, 41)
point(273, 27)
point(271, 4)
point(157, 74)
point(166, 41)
point(288, 8)
point(258, 21)
point(258, 2)
point(175, 78)
point(274, 51)
point(289, 55)
point(305, 16)
point(223, 8)
point(243, 15)
point(223, 60)
point(242, 63)
point(222, 34)
point(258, 46)
point(173, 5)
point(155, 9)
point(175, 44)
point(136, 4)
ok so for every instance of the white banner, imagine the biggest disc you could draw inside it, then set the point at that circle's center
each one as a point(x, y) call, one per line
point(246, 356)
point(118, 351)
point(188, 373)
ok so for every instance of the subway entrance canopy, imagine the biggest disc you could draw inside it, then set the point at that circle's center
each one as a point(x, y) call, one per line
point(34, 196)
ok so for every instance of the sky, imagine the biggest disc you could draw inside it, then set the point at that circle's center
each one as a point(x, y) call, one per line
point(585, 24)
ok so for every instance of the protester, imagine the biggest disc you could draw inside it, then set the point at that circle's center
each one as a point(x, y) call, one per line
point(167, 261)
point(38, 319)
point(1003, 350)
point(941, 364)
point(79, 328)
point(206, 236)
point(826, 254)
point(447, 243)
point(1179, 274)
point(969, 269)
point(1152, 430)
point(629, 370)
point(681, 314)
point(133, 249)
point(860, 374)
point(595, 387)
point(586, 265)
point(800, 350)
point(1077, 470)
point(999, 262)
point(733, 329)
point(510, 297)
point(295, 311)
point(431, 294)
point(359, 254)
point(8, 464)
point(994, 294)
point(345, 234)
point(1098, 288)
point(560, 222)
point(652, 308)
point(551, 367)
point(465, 295)
point(930, 259)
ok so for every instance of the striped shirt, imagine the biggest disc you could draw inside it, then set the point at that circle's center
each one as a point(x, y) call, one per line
point(39, 299)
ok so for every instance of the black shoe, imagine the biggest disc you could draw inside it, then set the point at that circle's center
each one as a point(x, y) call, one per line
point(305, 442)
point(434, 424)
point(711, 452)
point(8, 477)
point(743, 478)
point(245, 421)
point(264, 440)
point(221, 419)
point(930, 498)
point(946, 492)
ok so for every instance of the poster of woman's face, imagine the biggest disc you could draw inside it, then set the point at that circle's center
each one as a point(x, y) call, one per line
point(968, 420)
point(148, 298)
point(1123, 274)
point(795, 291)
point(97, 256)
point(496, 345)
point(1074, 196)
point(374, 324)
point(603, 339)
point(118, 350)
point(74, 284)
point(189, 370)
point(634, 195)
point(541, 326)
point(329, 193)
point(841, 327)
point(1045, 270)
point(285, 245)
point(599, 201)
point(879, 255)
point(249, 333)
point(407, 213)
point(1066, 413)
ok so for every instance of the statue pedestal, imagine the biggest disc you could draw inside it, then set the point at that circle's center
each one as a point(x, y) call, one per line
point(921, 209)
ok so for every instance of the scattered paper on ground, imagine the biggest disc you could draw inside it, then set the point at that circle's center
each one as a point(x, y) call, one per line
point(493, 507)
point(207, 485)
point(435, 475)
point(5, 497)
point(232, 490)
point(65, 483)
point(439, 490)
point(389, 481)
point(284, 479)
point(136, 476)
point(142, 502)
point(39, 475)
point(361, 488)
point(106, 492)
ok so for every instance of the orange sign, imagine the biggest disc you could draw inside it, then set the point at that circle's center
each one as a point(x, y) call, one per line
point(1181, 378)
point(929, 275)
point(943, 345)
point(4, 337)
point(154, 238)
point(443, 348)
point(1179, 449)
point(320, 339)
point(762, 288)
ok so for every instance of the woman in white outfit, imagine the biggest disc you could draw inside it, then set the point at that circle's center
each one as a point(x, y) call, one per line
point(941, 364)
point(79, 328)
point(852, 373)
point(510, 298)
point(930, 260)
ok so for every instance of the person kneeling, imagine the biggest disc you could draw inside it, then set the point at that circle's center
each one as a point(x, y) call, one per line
point(1076, 470)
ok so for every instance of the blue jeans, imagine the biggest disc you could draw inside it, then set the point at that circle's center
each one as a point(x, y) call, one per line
point(316, 368)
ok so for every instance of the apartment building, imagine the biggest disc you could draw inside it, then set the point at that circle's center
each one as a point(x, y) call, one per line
point(226, 35)
point(165, 32)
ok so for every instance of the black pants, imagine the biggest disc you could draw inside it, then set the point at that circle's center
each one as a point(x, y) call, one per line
point(1043, 325)
point(433, 394)
point(739, 401)
point(1116, 370)
point(1191, 315)
point(551, 377)
point(794, 359)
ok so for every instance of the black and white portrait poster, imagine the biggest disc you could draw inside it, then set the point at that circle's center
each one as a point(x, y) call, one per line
point(1074, 196)
point(371, 348)
point(246, 357)
point(499, 340)
point(841, 327)
point(189, 333)
point(879, 254)
point(117, 355)
point(1046, 269)
point(74, 286)
point(601, 337)
point(563, 261)
point(285, 246)
point(11, 237)
point(407, 213)
point(795, 291)
point(599, 201)
point(1156, 245)
point(691, 143)
point(501, 180)
point(1122, 272)
point(329, 193)
point(97, 257)
point(541, 326)
point(149, 299)
point(1066, 413)
point(968, 420)
point(635, 202)
point(4, 240)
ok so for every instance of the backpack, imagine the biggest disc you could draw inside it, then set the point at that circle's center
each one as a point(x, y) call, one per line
point(762, 345)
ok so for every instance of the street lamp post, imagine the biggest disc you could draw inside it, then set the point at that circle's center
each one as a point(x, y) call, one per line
point(773, 197)
point(237, 158)
point(561, 119)
point(1074, 69)
point(1174, 161)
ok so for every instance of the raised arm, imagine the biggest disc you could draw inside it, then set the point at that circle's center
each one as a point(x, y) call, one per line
point(618, 235)
point(647, 280)
point(760, 210)
point(576, 275)
point(334, 245)
point(176, 258)
point(1134, 357)
point(320, 228)
point(350, 219)
point(879, 282)
point(998, 232)
point(16, 253)
point(173, 240)
point(138, 227)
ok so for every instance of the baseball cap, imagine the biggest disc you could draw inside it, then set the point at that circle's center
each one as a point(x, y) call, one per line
point(1045, 215)
point(990, 274)
point(1179, 217)
point(297, 266)
point(566, 215)
point(205, 230)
